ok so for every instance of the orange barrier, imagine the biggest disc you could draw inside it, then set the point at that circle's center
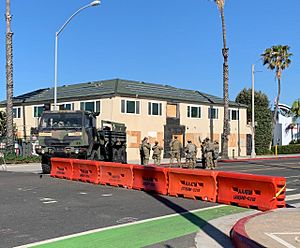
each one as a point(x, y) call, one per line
point(86, 171)
point(150, 178)
point(251, 191)
point(116, 174)
point(195, 184)
point(61, 168)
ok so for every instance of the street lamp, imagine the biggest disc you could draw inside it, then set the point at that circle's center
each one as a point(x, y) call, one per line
point(253, 154)
point(92, 4)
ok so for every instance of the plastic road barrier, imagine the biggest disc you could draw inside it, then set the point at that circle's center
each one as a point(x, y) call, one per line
point(116, 174)
point(150, 178)
point(195, 184)
point(61, 168)
point(251, 191)
point(86, 171)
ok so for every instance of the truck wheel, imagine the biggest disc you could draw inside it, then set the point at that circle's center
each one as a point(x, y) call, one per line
point(46, 168)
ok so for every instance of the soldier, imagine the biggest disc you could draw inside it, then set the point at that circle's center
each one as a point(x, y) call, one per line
point(118, 151)
point(146, 147)
point(157, 153)
point(175, 147)
point(191, 150)
point(209, 148)
point(203, 155)
point(215, 153)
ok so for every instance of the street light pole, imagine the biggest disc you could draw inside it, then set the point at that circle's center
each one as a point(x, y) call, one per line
point(92, 4)
point(253, 154)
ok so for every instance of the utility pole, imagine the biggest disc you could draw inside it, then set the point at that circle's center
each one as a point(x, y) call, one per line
point(9, 81)
point(253, 154)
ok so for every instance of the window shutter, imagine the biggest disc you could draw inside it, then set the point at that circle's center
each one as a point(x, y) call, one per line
point(122, 106)
point(188, 111)
point(149, 108)
point(137, 106)
point(199, 112)
point(97, 106)
point(82, 106)
point(159, 109)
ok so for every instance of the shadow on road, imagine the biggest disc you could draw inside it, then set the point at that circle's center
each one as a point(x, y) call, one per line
point(213, 232)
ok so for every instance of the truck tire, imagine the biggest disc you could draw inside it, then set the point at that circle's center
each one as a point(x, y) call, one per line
point(46, 168)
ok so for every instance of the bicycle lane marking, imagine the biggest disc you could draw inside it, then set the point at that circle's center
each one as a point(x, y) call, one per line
point(141, 233)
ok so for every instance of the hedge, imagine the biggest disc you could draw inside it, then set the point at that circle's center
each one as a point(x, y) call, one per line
point(289, 149)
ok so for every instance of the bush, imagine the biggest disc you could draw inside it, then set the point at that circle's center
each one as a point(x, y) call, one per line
point(289, 149)
point(263, 151)
point(12, 158)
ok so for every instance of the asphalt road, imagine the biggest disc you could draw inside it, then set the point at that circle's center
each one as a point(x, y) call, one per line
point(35, 208)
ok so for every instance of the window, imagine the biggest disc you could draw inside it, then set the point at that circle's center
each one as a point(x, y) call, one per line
point(172, 111)
point(213, 113)
point(194, 112)
point(233, 114)
point(93, 106)
point(37, 111)
point(154, 108)
point(17, 112)
point(130, 107)
point(66, 106)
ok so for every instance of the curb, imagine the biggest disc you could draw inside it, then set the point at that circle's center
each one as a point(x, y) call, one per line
point(239, 236)
point(254, 159)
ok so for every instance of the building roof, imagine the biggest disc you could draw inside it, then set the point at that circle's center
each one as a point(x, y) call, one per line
point(118, 87)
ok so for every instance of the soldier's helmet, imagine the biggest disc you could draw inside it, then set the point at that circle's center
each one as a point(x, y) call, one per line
point(175, 137)
point(189, 141)
point(206, 139)
point(156, 142)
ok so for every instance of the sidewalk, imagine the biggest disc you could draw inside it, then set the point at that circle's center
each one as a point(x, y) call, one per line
point(277, 228)
point(260, 157)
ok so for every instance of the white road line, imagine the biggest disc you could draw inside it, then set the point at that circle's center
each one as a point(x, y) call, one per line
point(281, 241)
point(288, 190)
point(49, 202)
point(295, 205)
point(292, 197)
point(263, 169)
point(113, 227)
point(106, 195)
point(293, 176)
point(46, 199)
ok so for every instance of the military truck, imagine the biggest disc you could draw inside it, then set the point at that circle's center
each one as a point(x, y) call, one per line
point(73, 134)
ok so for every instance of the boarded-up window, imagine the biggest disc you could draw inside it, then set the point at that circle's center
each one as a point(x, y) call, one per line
point(172, 110)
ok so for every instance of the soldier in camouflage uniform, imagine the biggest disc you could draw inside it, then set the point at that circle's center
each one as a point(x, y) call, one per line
point(157, 153)
point(175, 149)
point(209, 149)
point(215, 153)
point(191, 150)
point(146, 147)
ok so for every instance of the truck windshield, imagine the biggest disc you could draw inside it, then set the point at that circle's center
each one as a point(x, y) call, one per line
point(61, 120)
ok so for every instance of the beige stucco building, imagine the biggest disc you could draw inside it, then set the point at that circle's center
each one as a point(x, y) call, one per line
point(153, 110)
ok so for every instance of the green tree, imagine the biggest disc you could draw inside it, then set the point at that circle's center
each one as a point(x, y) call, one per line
point(263, 117)
point(277, 58)
point(295, 113)
point(9, 80)
point(225, 51)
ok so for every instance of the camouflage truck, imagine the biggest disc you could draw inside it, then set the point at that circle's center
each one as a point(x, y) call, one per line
point(73, 134)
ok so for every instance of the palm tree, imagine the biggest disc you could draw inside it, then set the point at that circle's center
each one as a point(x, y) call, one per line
point(295, 113)
point(225, 50)
point(9, 80)
point(2, 124)
point(277, 58)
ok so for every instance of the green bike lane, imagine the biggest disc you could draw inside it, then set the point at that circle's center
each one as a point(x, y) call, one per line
point(142, 233)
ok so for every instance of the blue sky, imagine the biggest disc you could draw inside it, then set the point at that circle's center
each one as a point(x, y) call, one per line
point(160, 41)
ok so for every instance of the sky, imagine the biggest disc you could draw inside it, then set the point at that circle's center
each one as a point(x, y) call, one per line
point(171, 42)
